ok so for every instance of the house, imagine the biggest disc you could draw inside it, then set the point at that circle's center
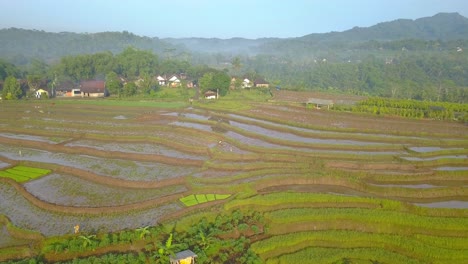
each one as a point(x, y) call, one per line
point(236, 83)
point(174, 81)
point(261, 83)
point(64, 88)
point(74, 92)
point(319, 103)
point(246, 83)
point(211, 95)
point(161, 80)
point(192, 83)
point(93, 89)
point(183, 257)
point(41, 93)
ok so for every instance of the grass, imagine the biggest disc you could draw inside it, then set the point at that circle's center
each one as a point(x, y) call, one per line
point(23, 173)
point(195, 199)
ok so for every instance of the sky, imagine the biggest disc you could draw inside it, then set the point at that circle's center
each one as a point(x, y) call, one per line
point(215, 18)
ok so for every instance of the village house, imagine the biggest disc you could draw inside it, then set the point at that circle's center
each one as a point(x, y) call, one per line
point(93, 88)
point(259, 82)
point(246, 83)
point(191, 83)
point(66, 89)
point(210, 95)
point(174, 81)
point(161, 80)
point(41, 93)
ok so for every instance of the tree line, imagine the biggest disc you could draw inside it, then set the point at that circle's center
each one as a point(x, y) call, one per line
point(429, 74)
point(129, 73)
point(406, 75)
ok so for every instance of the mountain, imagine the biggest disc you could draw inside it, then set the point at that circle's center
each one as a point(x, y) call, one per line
point(443, 26)
point(19, 45)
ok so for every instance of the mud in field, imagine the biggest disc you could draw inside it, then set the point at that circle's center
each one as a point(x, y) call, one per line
point(7, 241)
point(430, 149)
point(34, 138)
point(25, 215)
point(111, 157)
point(117, 168)
point(385, 125)
point(445, 204)
point(463, 157)
point(448, 168)
point(410, 186)
point(72, 191)
point(139, 148)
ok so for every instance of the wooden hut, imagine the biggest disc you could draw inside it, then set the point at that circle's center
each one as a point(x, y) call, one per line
point(184, 257)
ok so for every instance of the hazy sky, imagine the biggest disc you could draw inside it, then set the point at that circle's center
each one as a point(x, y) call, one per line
point(215, 18)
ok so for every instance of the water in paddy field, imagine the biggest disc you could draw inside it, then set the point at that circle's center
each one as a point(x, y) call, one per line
point(445, 204)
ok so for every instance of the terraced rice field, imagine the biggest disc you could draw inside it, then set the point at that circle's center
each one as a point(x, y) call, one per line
point(330, 185)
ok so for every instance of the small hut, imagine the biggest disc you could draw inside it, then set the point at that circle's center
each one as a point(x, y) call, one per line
point(184, 257)
point(319, 103)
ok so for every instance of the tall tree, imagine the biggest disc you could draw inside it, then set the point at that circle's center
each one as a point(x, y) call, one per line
point(34, 81)
point(113, 83)
point(11, 89)
point(8, 69)
point(236, 65)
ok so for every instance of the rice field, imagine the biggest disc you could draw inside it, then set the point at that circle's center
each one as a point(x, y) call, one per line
point(333, 186)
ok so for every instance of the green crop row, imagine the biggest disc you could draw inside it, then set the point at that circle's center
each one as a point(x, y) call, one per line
point(23, 173)
point(384, 218)
point(344, 255)
point(195, 199)
point(410, 246)
point(275, 199)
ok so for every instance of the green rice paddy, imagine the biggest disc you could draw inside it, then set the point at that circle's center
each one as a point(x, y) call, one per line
point(23, 173)
point(195, 199)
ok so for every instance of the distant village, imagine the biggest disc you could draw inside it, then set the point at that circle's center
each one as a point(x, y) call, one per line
point(98, 88)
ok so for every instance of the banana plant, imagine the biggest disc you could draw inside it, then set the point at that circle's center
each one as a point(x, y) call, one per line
point(143, 232)
point(87, 240)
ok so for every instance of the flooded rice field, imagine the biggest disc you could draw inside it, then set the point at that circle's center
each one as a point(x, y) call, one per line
point(445, 204)
point(72, 191)
point(115, 168)
point(190, 150)
point(141, 148)
point(34, 138)
point(464, 157)
point(25, 215)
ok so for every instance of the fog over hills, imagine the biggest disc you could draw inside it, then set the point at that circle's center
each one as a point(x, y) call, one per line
point(17, 45)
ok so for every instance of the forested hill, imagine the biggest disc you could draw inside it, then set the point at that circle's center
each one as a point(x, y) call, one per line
point(442, 26)
point(20, 45)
